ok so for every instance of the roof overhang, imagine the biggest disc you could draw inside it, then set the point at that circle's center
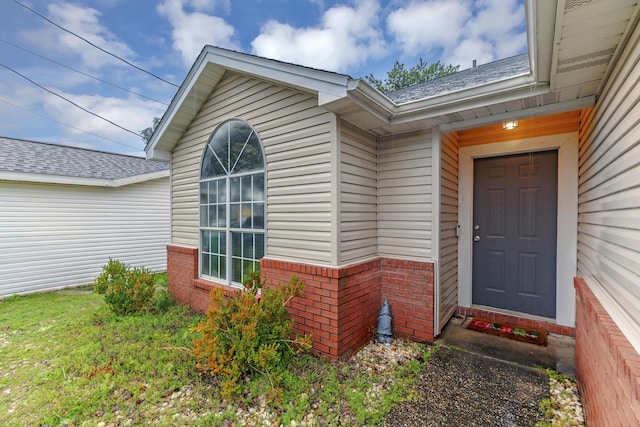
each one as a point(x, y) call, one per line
point(89, 182)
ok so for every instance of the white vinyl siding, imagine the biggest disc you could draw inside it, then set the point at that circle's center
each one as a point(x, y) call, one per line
point(448, 271)
point(358, 196)
point(609, 195)
point(405, 197)
point(297, 138)
point(52, 236)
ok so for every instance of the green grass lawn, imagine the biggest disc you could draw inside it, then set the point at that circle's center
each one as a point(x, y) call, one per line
point(66, 360)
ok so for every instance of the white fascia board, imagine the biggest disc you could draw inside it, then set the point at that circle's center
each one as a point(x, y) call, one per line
point(89, 182)
point(371, 100)
point(160, 141)
point(475, 97)
point(542, 30)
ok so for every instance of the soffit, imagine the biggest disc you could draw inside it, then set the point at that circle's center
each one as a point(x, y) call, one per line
point(589, 37)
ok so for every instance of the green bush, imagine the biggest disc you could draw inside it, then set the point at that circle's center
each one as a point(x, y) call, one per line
point(126, 290)
point(247, 334)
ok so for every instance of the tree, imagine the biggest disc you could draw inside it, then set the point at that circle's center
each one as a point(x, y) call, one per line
point(146, 133)
point(399, 77)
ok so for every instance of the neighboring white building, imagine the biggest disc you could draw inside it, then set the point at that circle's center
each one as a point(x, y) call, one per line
point(65, 211)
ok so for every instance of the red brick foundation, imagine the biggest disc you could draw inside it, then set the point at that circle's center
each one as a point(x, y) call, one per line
point(340, 305)
point(523, 322)
point(607, 365)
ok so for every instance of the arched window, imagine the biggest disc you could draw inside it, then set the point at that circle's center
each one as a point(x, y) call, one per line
point(232, 203)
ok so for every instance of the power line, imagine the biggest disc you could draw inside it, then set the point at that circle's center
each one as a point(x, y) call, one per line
point(81, 72)
point(67, 125)
point(94, 45)
point(69, 101)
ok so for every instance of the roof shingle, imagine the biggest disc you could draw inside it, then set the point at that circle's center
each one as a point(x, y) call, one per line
point(485, 73)
point(19, 155)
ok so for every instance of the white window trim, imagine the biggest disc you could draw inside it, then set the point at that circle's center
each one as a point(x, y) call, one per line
point(228, 230)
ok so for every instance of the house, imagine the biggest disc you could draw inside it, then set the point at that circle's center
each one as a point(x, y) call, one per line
point(65, 211)
point(424, 196)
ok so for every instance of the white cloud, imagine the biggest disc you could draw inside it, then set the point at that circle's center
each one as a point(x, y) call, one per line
point(460, 31)
point(193, 30)
point(346, 37)
point(422, 27)
point(131, 113)
point(85, 22)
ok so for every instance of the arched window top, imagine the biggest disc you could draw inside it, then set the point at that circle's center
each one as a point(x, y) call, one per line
point(234, 148)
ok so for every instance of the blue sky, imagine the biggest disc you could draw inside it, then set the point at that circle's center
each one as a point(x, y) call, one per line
point(354, 37)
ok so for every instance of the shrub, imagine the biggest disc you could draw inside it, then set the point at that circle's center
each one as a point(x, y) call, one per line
point(126, 290)
point(247, 334)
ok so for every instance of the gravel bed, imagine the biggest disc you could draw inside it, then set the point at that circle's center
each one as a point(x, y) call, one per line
point(565, 407)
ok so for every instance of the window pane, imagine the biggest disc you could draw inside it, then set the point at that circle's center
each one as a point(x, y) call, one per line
point(213, 192)
point(236, 244)
point(246, 215)
point(240, 133)
point(215, 247)
point(236, 270)
point(220, 144)
point(203, 216)
point(222, 213)
point(235, 189)
point(205, 265)
point(204, 193)
point(259, 246)
point(223, 267)
point(206, 247)
point(214, 266)
point(234, 216)
point(223, 243)
point(246, 188)
point(258, 215)
point(211, 167)
point(251, 158)
point(247, 245)
point(258, 188)
point(213, 217)
point(222, 191)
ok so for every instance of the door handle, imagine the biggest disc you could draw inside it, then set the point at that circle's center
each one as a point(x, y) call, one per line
point(476, 238)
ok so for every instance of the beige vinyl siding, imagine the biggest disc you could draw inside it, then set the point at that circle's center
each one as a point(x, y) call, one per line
point(297, 138)
point(448, 222)
point(358, 193)
point(404, 196)
point(609, 194)
point(52, 236)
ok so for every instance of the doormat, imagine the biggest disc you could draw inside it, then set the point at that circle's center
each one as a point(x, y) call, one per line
point(506, 330)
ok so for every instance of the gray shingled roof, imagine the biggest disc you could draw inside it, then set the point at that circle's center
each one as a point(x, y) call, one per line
point(482, 74)
point(19, 155)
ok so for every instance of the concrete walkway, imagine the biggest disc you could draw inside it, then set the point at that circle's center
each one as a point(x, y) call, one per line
point(558, 355)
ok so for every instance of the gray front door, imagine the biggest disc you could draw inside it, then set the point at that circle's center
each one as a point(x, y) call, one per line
point(514, 221)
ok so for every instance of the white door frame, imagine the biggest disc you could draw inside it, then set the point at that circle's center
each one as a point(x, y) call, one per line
point(567, 237)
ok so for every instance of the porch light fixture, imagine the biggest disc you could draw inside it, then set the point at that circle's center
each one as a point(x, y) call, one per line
point(511, 125)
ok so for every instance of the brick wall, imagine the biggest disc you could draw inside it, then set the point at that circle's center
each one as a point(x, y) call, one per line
point(607, 366)
point(408, 285)
point(340, 305)
point(182, 268)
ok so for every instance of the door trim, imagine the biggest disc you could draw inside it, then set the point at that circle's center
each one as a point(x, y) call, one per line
point(567, 236)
